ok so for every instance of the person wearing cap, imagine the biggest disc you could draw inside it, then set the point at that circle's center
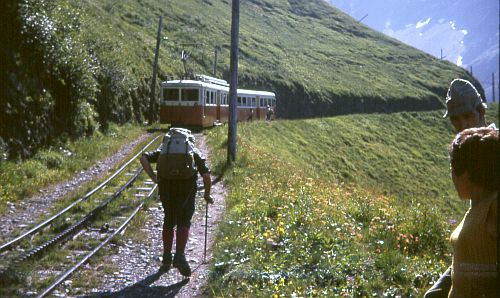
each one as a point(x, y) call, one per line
point(464, 105)
point(466, 109)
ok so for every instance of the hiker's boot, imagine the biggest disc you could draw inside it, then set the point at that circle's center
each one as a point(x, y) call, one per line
point(166, 262)
point(181, 264)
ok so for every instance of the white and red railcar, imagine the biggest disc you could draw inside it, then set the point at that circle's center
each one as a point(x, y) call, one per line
point(203, 101)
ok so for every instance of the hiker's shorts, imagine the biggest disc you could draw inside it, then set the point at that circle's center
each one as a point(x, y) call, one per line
point(178, 198)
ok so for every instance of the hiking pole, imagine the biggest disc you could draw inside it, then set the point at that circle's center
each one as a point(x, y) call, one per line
point(206, 227)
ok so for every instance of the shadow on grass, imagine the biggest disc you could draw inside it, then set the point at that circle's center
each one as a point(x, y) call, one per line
point(144, 289)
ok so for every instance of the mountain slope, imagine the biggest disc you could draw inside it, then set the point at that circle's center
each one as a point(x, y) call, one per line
point(308, 51)
point(465, 30)
point(91, 61)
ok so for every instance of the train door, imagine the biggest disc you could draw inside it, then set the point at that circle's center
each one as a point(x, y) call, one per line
point(218, 103)
point(258, 108)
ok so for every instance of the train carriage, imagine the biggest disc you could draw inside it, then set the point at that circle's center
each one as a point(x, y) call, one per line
point(203, 101)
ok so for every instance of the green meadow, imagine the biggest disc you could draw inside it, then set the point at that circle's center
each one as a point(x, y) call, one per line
point(358, 205)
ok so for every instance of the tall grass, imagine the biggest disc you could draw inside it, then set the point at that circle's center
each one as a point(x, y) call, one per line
point(358, 205)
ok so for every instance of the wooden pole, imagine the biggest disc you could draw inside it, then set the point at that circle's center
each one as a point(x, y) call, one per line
point(493, 84)
point(233, 87)
point(152, 100)
point(216, 50)
point(498, 193)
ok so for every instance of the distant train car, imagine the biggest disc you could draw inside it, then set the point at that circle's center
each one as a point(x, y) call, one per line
point(205, 100)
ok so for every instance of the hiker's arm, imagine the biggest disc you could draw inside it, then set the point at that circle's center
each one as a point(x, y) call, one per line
point(205, 174)
point(207, 185)
point(147, 168)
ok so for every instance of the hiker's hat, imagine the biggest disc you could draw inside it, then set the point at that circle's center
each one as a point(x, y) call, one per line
point(462, 97)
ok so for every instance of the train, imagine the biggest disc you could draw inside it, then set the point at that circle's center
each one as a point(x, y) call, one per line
point(203, 101)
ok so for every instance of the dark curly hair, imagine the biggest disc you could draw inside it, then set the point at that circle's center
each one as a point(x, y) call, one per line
point(477, 152)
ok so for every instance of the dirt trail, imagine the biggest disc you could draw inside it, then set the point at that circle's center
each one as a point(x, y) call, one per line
point(138, 262)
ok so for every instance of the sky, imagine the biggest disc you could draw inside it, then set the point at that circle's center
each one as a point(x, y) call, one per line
point(464, 32)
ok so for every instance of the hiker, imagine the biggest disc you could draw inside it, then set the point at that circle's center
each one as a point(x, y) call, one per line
point(269, 112)
point(475, 169)
point(177, 163)
point(250, 116)
point(466, 109)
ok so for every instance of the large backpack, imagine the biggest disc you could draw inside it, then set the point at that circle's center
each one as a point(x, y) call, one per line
point(176, 160)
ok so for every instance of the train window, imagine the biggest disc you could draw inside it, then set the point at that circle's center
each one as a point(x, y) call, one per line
point(189, 94)
point(239, 100)
point(207, 97)
point(171, 94)
point(253, 101)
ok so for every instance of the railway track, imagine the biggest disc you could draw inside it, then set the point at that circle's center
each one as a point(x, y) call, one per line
point(36, 261)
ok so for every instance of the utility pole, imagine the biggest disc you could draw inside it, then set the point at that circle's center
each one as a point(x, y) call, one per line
point(216, 50)
point(493, 84)
point(359, 21)
point(233, 87)
point(471, 71)
point(152, 100)
point(498, 197)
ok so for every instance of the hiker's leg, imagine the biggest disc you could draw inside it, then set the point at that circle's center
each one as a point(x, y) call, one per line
point(168, 221)
point(168, 238)
point(182, 235)
point(183, 222)
point(442, 286)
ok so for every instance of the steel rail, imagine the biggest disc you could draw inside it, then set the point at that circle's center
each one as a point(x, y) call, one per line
point(85, 197)
point(75, 227)
point(66, 274)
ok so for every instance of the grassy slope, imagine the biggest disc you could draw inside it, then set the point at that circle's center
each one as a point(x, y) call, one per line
point(334, 206)
point(19, 180)
point(306, 48)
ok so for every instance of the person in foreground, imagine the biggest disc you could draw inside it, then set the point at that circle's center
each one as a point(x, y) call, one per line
point(177, 197)
point(475, 170)
point(465, 109)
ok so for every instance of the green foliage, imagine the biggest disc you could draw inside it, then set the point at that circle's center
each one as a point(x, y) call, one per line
point(49, 77)
point(334, 206)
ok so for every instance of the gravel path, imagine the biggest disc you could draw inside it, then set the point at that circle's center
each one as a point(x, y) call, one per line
point(23, 215)
point(138, 262)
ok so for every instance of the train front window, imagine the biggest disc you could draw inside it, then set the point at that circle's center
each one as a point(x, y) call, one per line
point(171, 94)
point(190, 94)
